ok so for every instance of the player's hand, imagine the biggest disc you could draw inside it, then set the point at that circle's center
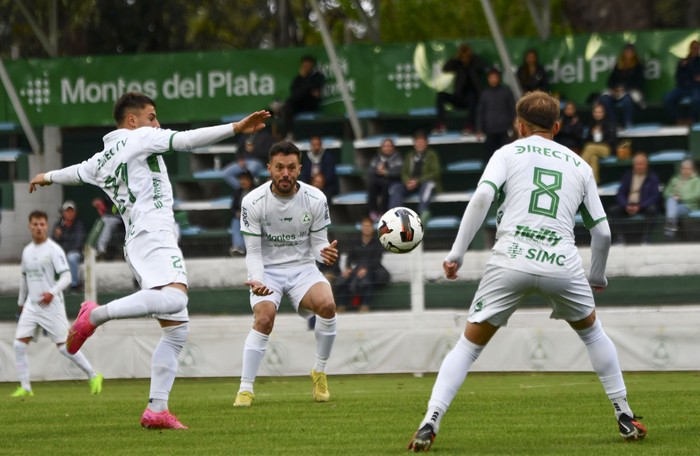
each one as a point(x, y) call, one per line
point(330, 253)
point(38, 180)
point(598, 289)
point(450, 268)
point(252, 123)
point(46, 299)
point(258, 288)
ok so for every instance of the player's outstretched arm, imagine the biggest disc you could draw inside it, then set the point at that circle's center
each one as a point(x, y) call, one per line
point(251, 123)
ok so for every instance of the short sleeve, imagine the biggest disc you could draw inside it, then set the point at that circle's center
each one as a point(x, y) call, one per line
point(58, 258)
point(157, 140)
point(322, 217)
point(496, 171)
point(251, 211)
point(592, 210)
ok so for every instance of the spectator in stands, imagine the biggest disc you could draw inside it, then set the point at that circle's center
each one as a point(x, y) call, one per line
point(625, 85)
point(531, 74)
point(420, 174)
point(384, 177)
point(687, 85)
point(682, 195)
point(570, 128)
point(251, 155)
point(363, 272)
point(247, 183)
point(112, 233)
point(304, 93)
point(496, 113)
point(638, 195)
point(316, 161)
point(600, 140)
point(69, 233)
point(468, 72)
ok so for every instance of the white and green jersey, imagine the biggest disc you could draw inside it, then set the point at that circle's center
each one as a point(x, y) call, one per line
point(41, 265)
point(132, 172)
point(540, 186)
point(285, 224)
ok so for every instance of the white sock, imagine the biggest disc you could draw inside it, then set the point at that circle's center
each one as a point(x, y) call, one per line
point(164, 365)
point(167, 300)
point(22, 364)
point(253, 353)
point(453, 371)
point(603, 356)
point(79, 359)
point(325, 331)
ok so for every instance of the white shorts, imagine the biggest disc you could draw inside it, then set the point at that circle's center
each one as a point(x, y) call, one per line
point(54, 321)
point(156, 260)
point(501, 291)
point(293, 282)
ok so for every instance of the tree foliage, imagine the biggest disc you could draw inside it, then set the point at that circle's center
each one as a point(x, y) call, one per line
point(134, 26)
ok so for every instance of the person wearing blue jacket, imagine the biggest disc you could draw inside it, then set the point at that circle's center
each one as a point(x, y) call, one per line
point(638, 194)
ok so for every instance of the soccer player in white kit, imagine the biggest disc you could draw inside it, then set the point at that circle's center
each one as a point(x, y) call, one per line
point(539, 186)
point(284, 223)
point(45, 274)
point(132, 172)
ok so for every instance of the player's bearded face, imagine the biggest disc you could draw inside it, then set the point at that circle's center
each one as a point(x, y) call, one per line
point(284, 172)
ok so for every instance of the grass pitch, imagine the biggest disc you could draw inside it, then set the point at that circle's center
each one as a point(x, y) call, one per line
point(494, 414)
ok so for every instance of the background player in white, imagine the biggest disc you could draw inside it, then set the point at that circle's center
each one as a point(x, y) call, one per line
point(539, 185)
point(132, 172)
point(45, 274)
point(284, 223)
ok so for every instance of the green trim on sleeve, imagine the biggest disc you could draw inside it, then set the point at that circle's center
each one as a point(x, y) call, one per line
point(588, 221)
point(495, 188)
point(79, 177)
point(250, 234)
point(320, 229)
point(170, 144)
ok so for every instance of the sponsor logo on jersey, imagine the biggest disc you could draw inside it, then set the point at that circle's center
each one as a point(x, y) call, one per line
point(108, 154)
point(547, 152)
point(479, 305)
point(514, 250)
point(244, 216)
point(305, 218)
point(543, 256)
point(285, 219)
point(543, 236)
point(280, 237)
point(157, 192)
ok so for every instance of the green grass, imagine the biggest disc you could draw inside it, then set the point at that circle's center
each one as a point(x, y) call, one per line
point(494, 414)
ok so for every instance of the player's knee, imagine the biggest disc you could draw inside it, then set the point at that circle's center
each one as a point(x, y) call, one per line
point(177, 299)
point(326, 309)
point(264, 323)
point(177, 334)
point(20, 346)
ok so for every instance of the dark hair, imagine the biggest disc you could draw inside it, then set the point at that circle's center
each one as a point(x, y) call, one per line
point(308, 58)
point(130, 101)
point(284, 148)
point(420, 134)
point(538, 109)
point(38, 214)
point(246, 173)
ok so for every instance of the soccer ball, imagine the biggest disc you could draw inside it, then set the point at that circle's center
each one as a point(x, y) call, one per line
point(400, 230)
